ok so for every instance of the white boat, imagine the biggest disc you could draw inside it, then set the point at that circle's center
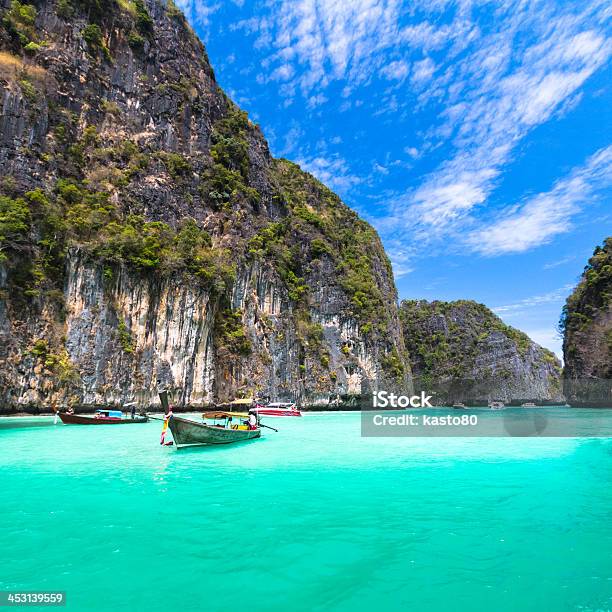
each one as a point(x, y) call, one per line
point(497, 405)
point(277, 409)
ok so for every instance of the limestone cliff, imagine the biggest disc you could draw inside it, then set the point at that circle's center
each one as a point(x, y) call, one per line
point(586, 323)
point(465, 353)
point(147, 235)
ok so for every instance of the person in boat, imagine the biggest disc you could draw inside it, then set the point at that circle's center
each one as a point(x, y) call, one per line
point(133, 411)
point(252, 422)
point(228, 423)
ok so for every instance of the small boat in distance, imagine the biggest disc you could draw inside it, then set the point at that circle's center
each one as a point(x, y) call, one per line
point(459, 405)
point(101, 417)
point(278, 409)
point(261, 407)
point(528, 405)
point(497, 405)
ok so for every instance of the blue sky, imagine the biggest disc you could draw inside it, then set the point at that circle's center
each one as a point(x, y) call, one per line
point(475, 136)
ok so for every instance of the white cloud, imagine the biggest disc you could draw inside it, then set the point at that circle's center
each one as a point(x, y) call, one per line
point(332, 171)
point(317, 100)
point(401, 256)
point(380, 168)
point(400, 269)
point(395, 71)
point(557, 295)
point(439, 203)
point(423, 71)
point(291, 140)
point(545, 215)
point(492, 99)
point(198, 12)
point(347, 41)
point(282, 73)
point(558, 262)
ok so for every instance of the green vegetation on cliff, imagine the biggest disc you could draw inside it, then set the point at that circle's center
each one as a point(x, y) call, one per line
point(14, 224)
point(593, 293)
point(55, 364)
point(320, 227)
point(586, 321)
point(231, 335)
point(226, 182)
point(19, 23)
point(39, 228)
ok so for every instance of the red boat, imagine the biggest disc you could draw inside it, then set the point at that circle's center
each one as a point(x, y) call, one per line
point(101, 417)
point(277, 409)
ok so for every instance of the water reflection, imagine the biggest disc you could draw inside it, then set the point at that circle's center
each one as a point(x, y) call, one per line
point(22, 422)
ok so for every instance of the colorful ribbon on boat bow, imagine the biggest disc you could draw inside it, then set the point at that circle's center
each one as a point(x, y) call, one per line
point(164, 428)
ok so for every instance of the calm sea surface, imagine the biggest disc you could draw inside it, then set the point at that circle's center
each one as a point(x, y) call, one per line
point(314, 517)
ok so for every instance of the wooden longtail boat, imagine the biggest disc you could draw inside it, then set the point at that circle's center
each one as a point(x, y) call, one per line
point(186, 431)
point(101, 417)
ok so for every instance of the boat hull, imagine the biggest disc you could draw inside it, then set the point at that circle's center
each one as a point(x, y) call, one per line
point(186, 432)
point(79, 419)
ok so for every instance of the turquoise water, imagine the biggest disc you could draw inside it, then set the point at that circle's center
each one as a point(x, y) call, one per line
point(311, 518)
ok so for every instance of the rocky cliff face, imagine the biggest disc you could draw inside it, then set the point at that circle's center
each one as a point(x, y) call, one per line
point(464, 353)
point(587, 327)
point(147, 235)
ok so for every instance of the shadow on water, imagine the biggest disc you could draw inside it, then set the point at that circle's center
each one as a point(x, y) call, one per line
point(212, 448)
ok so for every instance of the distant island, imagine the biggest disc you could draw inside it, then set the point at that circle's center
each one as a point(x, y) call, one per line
point(464, 353)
